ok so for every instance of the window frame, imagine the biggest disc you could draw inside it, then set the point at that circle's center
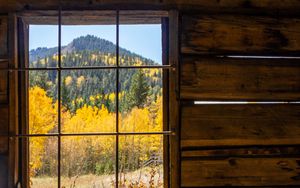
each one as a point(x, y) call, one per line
point(170, 99)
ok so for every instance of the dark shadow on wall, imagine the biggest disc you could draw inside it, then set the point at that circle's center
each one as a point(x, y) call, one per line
point(3, 171)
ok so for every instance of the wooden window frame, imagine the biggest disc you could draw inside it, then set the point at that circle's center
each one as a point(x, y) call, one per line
point(18, 104)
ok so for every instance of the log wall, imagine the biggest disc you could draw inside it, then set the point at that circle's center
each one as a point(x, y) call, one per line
point(242, 58)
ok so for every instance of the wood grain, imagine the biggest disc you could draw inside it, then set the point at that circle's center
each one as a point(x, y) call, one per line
point(3, 59)
point(3, 36)
point(241, 151)
point(174, 100)
point(93, 17)
point(240, 79)
point(13, 161)
point(240, 125)
point(3, 83)
point(220, 5)
point(3, 129)
point(245, 35)
point(241, 172)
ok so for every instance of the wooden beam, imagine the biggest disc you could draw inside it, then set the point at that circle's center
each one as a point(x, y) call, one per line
point(241, 172)
point(240, 125)
point(13, 101)
point(93, 17)
point(3, 129)
point(3, 36)
point(240, 79)
point(166, 110)
point(240, 35)
point(174, 99)
point(241, 151)
point(276, 6)
point(3, 83)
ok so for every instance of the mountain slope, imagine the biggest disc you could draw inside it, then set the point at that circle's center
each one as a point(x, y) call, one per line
point(84, 43)
point(82, 85)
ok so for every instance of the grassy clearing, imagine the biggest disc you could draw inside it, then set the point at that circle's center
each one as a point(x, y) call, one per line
point(138, 179)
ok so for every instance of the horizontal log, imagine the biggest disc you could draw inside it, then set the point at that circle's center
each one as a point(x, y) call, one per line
point(241, 172)
point(3, 129)
point(94, 17)
point(3, 36)
point(240, 79)
point(264, 151)
point(219, 5)
point(245, 35)
point(239, 125)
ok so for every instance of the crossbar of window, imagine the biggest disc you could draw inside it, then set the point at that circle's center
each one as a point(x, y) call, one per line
point(87, 68)
point(87, 134)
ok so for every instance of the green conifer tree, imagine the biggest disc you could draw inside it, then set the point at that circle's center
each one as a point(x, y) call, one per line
point(138, 91)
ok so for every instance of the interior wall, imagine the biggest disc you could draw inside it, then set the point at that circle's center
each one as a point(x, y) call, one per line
point(220, 145)
point(254, 144)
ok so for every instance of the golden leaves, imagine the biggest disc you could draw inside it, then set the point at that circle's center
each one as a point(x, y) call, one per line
point(87, 119)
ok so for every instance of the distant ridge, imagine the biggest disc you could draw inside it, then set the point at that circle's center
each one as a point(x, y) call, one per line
point(83, 43)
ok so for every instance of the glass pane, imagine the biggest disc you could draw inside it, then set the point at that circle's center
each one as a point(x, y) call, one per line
point(88, 101)
point(43, 162)
point(42, 102)
point(88, 42)
point(141, 100)
point(43, 42)
point(141, 161)
point(140, 44)
point(88, 161)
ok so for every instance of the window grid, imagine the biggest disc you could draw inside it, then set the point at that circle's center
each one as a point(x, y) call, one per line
point(59, 68)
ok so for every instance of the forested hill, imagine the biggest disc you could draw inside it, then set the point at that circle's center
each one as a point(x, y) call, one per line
point(95, 87)
point(85, 43)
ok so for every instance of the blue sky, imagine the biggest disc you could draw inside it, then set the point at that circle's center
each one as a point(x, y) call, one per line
point(141, 39)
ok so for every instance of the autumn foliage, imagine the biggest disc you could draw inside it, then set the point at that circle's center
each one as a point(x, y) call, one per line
point(88, 105)
point(92, 154)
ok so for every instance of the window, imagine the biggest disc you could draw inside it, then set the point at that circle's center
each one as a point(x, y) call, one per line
point(97, 103)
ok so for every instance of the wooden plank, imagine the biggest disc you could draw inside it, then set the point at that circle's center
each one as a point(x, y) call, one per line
point(3, 36)
point(220, 5)
point(240, 79)
point(94, 17)
point(242, 151)
point(245, 35)
point(239, 125)
point(3, 59)
point(174, 100)
point(3, 83)
point(3, 129)
point(13, 169)
point(268, 4)
point(23, 85)
point(241, 172)
point(166, 110)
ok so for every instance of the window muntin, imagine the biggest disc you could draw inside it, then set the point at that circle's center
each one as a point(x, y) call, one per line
point(119, 134)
